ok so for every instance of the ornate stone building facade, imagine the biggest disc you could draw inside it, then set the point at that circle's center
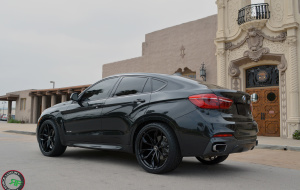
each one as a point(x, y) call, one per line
point(250, 40)
point(255, 49)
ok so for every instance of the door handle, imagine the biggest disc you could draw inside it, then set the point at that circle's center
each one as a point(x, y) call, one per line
point(261, 116)
point(139, 101)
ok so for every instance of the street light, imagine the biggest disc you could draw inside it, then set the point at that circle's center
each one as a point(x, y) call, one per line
point(53, 83)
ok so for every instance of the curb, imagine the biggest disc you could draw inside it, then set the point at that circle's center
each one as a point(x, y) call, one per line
point(277, 147)
point(20, 132)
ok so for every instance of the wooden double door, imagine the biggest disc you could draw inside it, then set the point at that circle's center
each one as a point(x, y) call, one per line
point(266, 110)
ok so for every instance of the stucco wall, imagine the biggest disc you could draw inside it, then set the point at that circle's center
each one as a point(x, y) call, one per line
point(162, 54)
point(23, 115)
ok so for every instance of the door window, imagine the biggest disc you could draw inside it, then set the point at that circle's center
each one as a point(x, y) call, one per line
point(130, 85)
point(100, 90)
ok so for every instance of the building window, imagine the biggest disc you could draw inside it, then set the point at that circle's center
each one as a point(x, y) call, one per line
point(23, 104)
point(261, 76)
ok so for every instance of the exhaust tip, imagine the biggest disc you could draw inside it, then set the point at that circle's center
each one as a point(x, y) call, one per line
point(219, 147)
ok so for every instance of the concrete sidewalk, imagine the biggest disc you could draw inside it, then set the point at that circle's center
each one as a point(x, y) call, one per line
point(275, 143)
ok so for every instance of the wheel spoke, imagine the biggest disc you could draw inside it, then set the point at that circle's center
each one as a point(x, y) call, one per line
point(145, 141)
point(148, 149)
point(155, 140)
point(48, 144)
point(152, 143)
point(158, 158)
point(152, 161)
point(144, 158)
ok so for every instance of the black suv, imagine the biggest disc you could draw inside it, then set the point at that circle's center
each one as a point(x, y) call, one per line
point(159, 118)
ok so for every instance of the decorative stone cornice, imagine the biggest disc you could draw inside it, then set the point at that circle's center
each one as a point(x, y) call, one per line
point(254, 33)
point(255, 40)
point(234, 71)
point(256, 55)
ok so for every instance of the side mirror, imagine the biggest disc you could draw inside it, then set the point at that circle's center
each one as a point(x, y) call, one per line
point(74, 96)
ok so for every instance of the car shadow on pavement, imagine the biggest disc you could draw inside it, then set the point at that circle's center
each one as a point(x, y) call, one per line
point(189, 166)
point(106, 156)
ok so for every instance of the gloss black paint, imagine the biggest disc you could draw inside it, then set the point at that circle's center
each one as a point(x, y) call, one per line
point(113, 123)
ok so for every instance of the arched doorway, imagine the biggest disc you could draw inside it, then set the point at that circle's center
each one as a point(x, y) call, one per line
point(264, 82)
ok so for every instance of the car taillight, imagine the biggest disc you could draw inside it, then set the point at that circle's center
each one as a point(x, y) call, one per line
point(223, 135)
point(211, 101)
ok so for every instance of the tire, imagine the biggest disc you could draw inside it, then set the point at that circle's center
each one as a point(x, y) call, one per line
point(212, 160)
point(49, 140)
point(157, 149)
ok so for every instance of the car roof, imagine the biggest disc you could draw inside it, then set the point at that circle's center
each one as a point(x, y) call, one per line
point(172, 78)
point(161, 76)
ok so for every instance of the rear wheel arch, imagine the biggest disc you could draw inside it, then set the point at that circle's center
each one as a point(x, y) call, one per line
point(157, 119)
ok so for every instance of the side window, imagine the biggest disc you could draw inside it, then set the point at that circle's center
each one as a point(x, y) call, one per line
point(147, 87)
point(130, 85)
point(157, 84)
point(100, 90)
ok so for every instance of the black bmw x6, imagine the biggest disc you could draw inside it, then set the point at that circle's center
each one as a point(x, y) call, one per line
point(159, 118)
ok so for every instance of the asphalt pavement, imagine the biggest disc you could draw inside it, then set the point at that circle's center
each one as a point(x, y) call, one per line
point(81, 168)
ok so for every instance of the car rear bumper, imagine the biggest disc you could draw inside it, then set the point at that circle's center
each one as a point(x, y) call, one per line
point(228, 145)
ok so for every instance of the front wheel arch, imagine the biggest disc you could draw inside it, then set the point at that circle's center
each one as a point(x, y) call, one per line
point(53, 119)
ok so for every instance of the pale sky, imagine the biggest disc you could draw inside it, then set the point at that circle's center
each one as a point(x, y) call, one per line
point(69, 41)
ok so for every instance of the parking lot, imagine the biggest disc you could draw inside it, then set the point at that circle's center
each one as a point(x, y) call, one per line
point(93, 169)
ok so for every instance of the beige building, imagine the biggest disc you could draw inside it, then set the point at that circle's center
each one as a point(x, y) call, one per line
point(181, 48)
point(31, 103)
point(252, 48)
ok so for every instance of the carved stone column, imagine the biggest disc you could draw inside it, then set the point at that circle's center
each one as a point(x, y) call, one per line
point(294, 119)
point(221, 18)
point(221, 67)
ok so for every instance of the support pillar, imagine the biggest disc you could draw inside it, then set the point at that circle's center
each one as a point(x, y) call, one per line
point(35, 109)
point(44, 103)
point(221, 68)
point(53, 100)
point(294, 119)
point(9, 110)
point(63, 97)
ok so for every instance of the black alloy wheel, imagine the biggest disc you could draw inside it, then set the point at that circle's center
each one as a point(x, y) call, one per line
point(48, 139)
point(212, 159)
point(157, 149)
